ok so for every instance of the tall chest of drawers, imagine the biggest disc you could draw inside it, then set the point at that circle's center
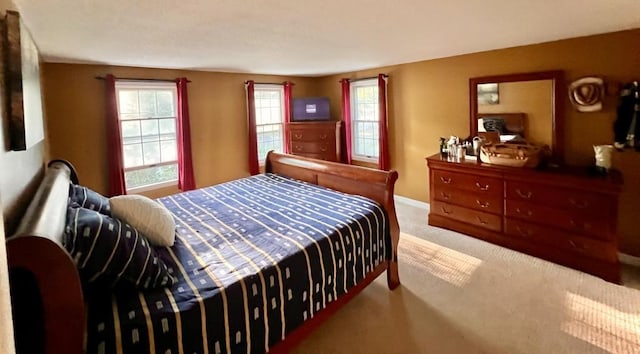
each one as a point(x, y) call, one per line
point(319, 140)
point(562, 215)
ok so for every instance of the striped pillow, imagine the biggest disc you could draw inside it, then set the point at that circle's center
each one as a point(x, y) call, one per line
point(107, 250)
point(89, 199)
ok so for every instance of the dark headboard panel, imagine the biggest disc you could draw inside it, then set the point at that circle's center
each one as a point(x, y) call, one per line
point(36, 258)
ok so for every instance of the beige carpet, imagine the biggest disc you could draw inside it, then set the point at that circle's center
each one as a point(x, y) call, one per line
point(462, 295)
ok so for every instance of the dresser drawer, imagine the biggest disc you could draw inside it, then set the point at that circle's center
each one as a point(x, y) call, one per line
point(310, 147)
point(317, 135)
point(559, 239)
point(470, 216)
point(484, 185)
point(568, 220)
point(562, 198)
point(479, 201)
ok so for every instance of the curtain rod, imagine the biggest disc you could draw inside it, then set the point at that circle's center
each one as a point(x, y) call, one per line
point(138, 79)
point(270, 83)
point(365, 78)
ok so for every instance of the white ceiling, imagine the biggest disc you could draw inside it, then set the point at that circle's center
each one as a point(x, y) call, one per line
point(301, 37)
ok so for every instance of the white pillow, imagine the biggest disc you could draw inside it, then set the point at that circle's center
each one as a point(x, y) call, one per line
point(146, 215)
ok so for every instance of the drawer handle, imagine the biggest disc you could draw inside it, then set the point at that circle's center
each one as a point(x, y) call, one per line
point(525, 233)
point(579, 204)
point(528, 213)
point(579, 247)
point(445, 195)
point(299, 148)
point(585, 226)
point(481, 221)
point(323, 148)
point(527, 195)
point(482, 188)
point(444, 210)
point(445, 180)
point(298, 136)
point(323, 136)
point(482, 204)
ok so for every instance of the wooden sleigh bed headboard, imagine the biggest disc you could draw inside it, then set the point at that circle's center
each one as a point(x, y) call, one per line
point(367, 182)
point(38, 262)
point(47, 296)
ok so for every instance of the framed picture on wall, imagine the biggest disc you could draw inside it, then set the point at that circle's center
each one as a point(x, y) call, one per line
point(488, 94)
point(22, 78)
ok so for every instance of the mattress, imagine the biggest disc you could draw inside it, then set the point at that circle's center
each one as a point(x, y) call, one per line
point(254, 258)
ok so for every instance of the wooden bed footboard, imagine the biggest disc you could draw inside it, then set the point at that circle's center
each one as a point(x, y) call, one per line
point(56, 322)
point(373, 184)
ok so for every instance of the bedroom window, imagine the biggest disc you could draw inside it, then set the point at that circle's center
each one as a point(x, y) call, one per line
point(147, 113)
point(269, 103)
point(365, 120)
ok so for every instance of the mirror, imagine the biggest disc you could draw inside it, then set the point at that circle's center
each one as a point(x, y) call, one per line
point(519, 107)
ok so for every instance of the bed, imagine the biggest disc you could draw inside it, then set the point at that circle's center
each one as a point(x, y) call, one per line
point(334, 231)
point(510, 127)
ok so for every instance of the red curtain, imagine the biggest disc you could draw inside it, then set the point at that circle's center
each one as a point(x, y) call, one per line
point(186, 179)
point(114, 140)
point(254, 167)
point(346, 116)
point(288, 86)
point(383, 159)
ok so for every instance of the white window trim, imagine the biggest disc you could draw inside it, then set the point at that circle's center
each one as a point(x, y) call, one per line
point(148, 85)
point(270, 87)
point(153, 186)
point(354, 156)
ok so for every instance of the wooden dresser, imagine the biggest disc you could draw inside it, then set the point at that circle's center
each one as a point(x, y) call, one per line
point(319, 140)
point(561, 215)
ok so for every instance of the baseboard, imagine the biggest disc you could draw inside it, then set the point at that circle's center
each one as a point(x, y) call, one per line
point(412, 202)
point(629, 259)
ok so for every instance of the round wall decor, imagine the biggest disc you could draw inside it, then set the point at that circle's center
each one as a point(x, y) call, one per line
point(586, 94)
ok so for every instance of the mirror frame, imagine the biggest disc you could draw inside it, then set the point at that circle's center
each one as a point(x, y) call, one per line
point(557, 119)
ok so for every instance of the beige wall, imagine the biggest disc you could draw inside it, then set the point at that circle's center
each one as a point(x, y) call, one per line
point(429, 99)
point(75, 110)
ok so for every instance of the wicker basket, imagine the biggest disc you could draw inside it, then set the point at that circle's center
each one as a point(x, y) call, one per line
point(515, 155)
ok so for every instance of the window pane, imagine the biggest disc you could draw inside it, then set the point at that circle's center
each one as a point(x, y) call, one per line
point(128, 102)
point(169, 150)
point(276, 115)
point(148, 140)
point(365, 112)
point(168, 126)
point(132, 155)
point(130, 130)
point(262, 116)
point(269, 119)
point(165, 104)
point(125, 116)
point(269, 138)
point(258, 101)
point(167, 129)
point(151, 152)
point(149, 130)
point(151, 175)
point(147, 104)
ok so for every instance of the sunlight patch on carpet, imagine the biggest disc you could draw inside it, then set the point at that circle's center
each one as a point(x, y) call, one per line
point(444, 263)
point(601, 325)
